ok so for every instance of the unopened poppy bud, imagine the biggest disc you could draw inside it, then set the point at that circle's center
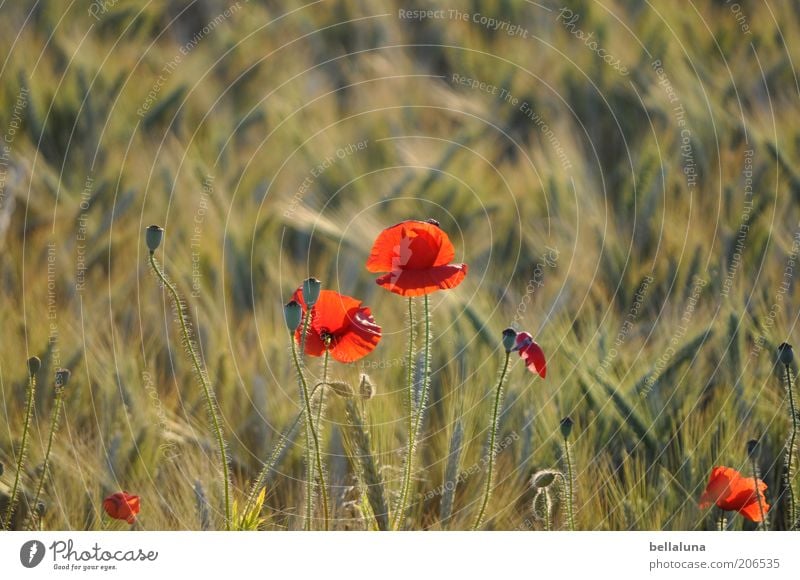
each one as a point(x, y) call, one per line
point(752, 446)
point(566, 427)
point(311, 288)
point(41, 509)
point(62, 377)
point(293, 313)
point(341, 388)
point(509, 339)
point(153, 237)
point(544, 478)
point(785, 353)
point(366, 390)
point(34, 364)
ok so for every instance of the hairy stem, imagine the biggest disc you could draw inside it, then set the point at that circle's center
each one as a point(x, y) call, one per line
point(306, 425)
point(415, 419)
point(23, 450)
point(54, 422)
point(208, 392)
point(492, 437)
point(310, 428)
point(763, 524)
point(790, 451)
point(570, 487)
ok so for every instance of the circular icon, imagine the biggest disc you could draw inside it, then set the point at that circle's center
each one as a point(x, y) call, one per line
point(31, 553)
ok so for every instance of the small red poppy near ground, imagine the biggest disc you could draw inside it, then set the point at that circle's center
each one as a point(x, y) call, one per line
point(339, 324)
point(416, 256)
point(531, 353)
point(731, 491)
point(122, 506)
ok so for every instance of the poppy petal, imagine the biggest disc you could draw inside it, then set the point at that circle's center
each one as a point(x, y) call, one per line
point(533, 355)
point(360, 339)
point(421, 282)
point(752, 511)
point(410, 245)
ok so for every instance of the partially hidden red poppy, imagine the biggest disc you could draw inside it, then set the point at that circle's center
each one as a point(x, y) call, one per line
point(731, 491)
point(340, 325)
point(416, 257)
point(122, 506)
point(531, 353)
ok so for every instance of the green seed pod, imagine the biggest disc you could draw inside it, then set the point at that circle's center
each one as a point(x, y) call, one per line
point(341, 388)
point(62, 378)
point(566, 427)
point(545, 478)
point(509, 339)
point(34, 364)
point(366, 390)
point(311, 289)
point(785, 353)
point(153, 236)
point(293, 313)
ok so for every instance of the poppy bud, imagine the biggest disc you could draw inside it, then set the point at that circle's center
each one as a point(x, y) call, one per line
point(34, 364)
point(153, 237)
point(293, 313)
point(544, 478)
point(509, 339)
point(341, 388)
point(311, 288)
point(566, 427)
point(366, 390)
point(785, 353)
point(62, 378)
point(752, 446)
point(41, 509)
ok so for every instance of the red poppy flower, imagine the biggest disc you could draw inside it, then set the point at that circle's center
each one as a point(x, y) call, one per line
point(730, 491)
point(122, 506)
point(340, 325)
point(416, 256)
point(531, 353)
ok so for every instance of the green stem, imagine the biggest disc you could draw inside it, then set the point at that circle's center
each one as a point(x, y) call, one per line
point(570, 487)
point(261, 479)
point(492, 437)
point(722, 523)
point(207, 389)
point(54, 419)
point(310, 428)
point(308, 437)
point(790, 453)
point(415, 419)
point(763, 524)
point(22, 451)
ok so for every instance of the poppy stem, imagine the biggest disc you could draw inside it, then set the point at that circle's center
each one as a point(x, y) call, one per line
point(54, 423)
point(722, 524)
point(260, 481)
point(570, 486)
point(309, 438)
point(415, 418)
point(320, 408)
point(763, 523)
point(202, 377)
point(790, 451)
point(310, 428)
point(23, 450)
point(492, 437)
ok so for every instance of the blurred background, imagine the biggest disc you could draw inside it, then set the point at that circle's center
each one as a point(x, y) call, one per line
point(619, 176)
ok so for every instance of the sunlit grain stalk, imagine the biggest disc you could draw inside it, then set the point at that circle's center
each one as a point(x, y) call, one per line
point(33, 367)
point(202, 377)
point(415, 418)
point(498, 397)
point(62, 377)
point(566, 429)
point(309, 419)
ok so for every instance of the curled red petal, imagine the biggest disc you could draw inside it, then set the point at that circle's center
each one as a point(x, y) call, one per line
point(533, 355)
